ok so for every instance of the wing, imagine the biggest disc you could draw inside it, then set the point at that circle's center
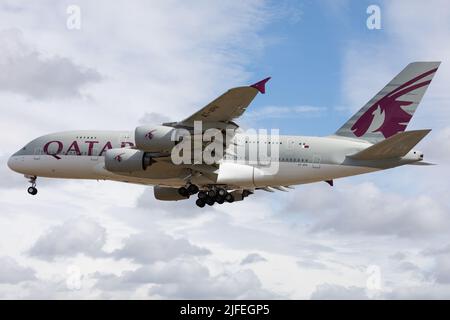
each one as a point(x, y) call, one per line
point(228, 106)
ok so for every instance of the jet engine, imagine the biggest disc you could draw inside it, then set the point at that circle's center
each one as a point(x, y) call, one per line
point(167, 194)
point(154, 138)
point(127, 160)
point(239, 175)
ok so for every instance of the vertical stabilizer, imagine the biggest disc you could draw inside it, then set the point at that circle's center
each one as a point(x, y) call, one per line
point(391, 109)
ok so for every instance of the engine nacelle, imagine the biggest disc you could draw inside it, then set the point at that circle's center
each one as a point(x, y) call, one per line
point(167, 194)
point(238, 174)
point(154, 138)
point(127, 160)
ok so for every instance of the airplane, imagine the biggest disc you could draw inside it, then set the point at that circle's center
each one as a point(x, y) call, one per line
point(373, 139)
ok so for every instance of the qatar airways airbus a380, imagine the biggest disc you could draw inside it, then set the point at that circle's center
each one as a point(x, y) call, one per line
point(373, 139)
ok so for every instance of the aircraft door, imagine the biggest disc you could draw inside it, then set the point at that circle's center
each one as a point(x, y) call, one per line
point(316, 161)
point(264, 154)
point(291, 144)
point(37, 153)
point(94, 155)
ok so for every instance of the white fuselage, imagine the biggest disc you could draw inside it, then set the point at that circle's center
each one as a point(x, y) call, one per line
point(80, 155)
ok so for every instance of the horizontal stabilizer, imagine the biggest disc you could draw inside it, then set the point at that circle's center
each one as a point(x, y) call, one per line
point(423, 163)
point(393, 147)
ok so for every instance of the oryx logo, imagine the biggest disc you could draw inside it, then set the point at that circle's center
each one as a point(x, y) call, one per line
point(118, 158)
point(387, 115)
point(149, 134)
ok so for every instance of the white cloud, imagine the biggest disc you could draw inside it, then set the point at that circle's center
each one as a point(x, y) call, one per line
point(311, 264)
point(337, 292)
point(365, 209)
point(12, 273)
point(228, 285)
point(26, 71)
point(409, 34)
point(8, 178)
point(75, 236)
point(186, 279)
point(154, 118)
point(285, 112)
point(179, 251)
point(156, 246)
point(423, 292)
point(253, 258)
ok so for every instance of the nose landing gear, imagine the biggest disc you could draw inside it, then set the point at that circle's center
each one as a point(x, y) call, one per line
point(33, 190)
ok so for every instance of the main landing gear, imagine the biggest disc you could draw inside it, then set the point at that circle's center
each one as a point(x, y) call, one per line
point(213, 195)
point(188, 190)
point(32, 190)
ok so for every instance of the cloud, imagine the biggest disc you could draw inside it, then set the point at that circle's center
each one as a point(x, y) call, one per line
point(398, 256)
point(442, 250)
point(185, 66)
point(439, 272)
point(366, 209)
point(337, 292)
point(8, 178)
point(157, 273)
point(409, 266)
point(28, 72)
point(311, 264)
point(156, 246)
point(180, 208)
point(12, 273)
point(242, 284)
point(285, 112)
point(409, 34)
point(253, 258)
point(186, 279)
point(154, 119)
point(422, 292)
point(80, 235)
point(239, 285)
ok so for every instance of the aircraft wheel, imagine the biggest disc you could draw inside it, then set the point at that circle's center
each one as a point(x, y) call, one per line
point(222, 192)
point(212, 193)
point(32, 190)
point(192, 189)
point(202, 195)
point(183, 191)
point(210, 201)
point(229, 198)
point(246, 193)
point(200, 203)
point(220, 199)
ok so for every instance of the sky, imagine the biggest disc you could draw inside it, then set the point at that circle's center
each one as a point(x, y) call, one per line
point(382, 235)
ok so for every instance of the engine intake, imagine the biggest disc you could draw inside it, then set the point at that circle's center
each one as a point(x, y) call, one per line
point(127, 160)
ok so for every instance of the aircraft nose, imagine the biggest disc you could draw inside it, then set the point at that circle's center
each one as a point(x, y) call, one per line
point(14, 163)
point(11, 163)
